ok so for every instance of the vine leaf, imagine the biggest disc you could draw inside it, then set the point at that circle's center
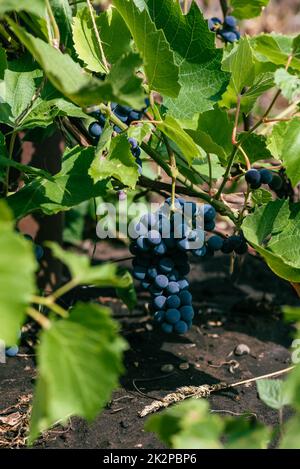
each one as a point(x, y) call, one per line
point(76, 376)
point(277, 49)
point(17, 275)
point(200, 76)
point(243, 9)
point(172, 129)
point(274, 231)
point(119, 164)
point(69, 78)
point(284, 142)
point(240, 63)
point(273, 393)
point(289, 84)
point(159, 65)
point(71, 186)
point(63, 15)
point(36, 7)
point(3, 62)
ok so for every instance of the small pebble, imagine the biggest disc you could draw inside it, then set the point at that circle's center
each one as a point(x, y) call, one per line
point(241, 349)
point(184, 366)
point(168, 368)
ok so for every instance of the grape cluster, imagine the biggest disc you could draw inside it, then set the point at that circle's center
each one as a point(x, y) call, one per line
point(227, 30)
point(235, 243)
point(255, 178)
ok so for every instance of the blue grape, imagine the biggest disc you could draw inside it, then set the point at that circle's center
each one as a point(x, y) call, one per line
point(159, 302)
point(228, 246)
point(155, 291)
point(95, 130)
point(230, 21)
point(276, 182)
point(12, 351)
point(166, 265)
point(161, 281)
point(215, 243)
point(39, 252)
point(253, 177)
point(187, 313)
point(213, 23)
point(174, 275)
point(173, 301)
point(139, 272)
point(181, 327)
point(173, 288)
point(185, 297)
point(183, 244)
point(172, 315)
point(201, 252)
point(152, 272)
point(154, 237)
point(167, 328)
point(229, 36)
point(133, 142)
point(265, 176)
point(183, 284)
point(142, 243)
point(210, 226)
point(160, 249)
point(145, 285)
point(148, 220)
point(159, 316)
point(209, 213)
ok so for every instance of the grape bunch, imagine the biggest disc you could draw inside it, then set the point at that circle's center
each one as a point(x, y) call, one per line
point(227, 30)
point(255, 178)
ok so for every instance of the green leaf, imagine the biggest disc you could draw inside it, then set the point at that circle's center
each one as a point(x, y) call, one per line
point(83, 273)
point(291, 432)
point(200, 76)
point(128, 294)
point(160, 69)
point(261, 196)
point(85, 41)
point(188, 425)
point(213, 133)
point(243, 9)
point(69, 78)
point(21, 79)
point(240, 63)
point(5, 162)
point(272, 393)
point(288, 84)
point(245, 433)
point(17, 275)
point(255, 147)
point(274, 231)
point(291, 313)
point(182, 139)
point(3, 63)
point(37, 7)
point(276, 49)
point(71, 186)
point(292, 385)
point(284, 143)
point(80, 360)
point(119, 163)
point(63, 16)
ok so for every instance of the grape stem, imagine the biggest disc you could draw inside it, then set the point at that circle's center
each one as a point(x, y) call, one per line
point(49, 302)
point(56, 34)
point(39, 318)
point(236, 120)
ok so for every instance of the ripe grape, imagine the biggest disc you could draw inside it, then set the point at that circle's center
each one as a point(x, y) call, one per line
point(172, 315)
point(276, 182)
point(185, 297)
point(95, 130)
point(173, 301)
point(172, 288)
point(181, 327)
point(253, 177)
point(162, 281)
point(215, 243)
point(167, 328)
point(12, 351)
point(187, 312)
point(265, 176)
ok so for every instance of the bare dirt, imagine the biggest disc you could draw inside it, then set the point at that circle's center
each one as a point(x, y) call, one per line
point(230, 311)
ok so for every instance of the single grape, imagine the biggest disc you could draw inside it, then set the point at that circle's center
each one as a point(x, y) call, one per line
point(154, 237)
point(174, 275)
point(201, 252)
point(134, 116)
point(187, 312)
point(181, 327)
point(228, 246)
point(172, 288)
point(215, 243)
point(166, 265)
point(13, 351)
point(159, 316)
point(228, 36)
point(209, 213)
point(145, 285)
point(172, 315)
point(265, 176)
point(139, 272)
point(95, 130)
point(160, 249)
point(159, 302)
point(253, 177)
point(242, 248)
point(142, 244)
point(173, 301)
point(230, 21)
point(276, 182)
point(133, 142)
point(209, 226)
point(185, 297)
point(183, 284)
point(167, 328)
point(152, 272)
point(213, 23)
point(39, 252)
point(155, 291)
point(161, 281)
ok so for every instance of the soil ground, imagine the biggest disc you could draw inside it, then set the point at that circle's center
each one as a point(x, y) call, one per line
point(230, 311)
